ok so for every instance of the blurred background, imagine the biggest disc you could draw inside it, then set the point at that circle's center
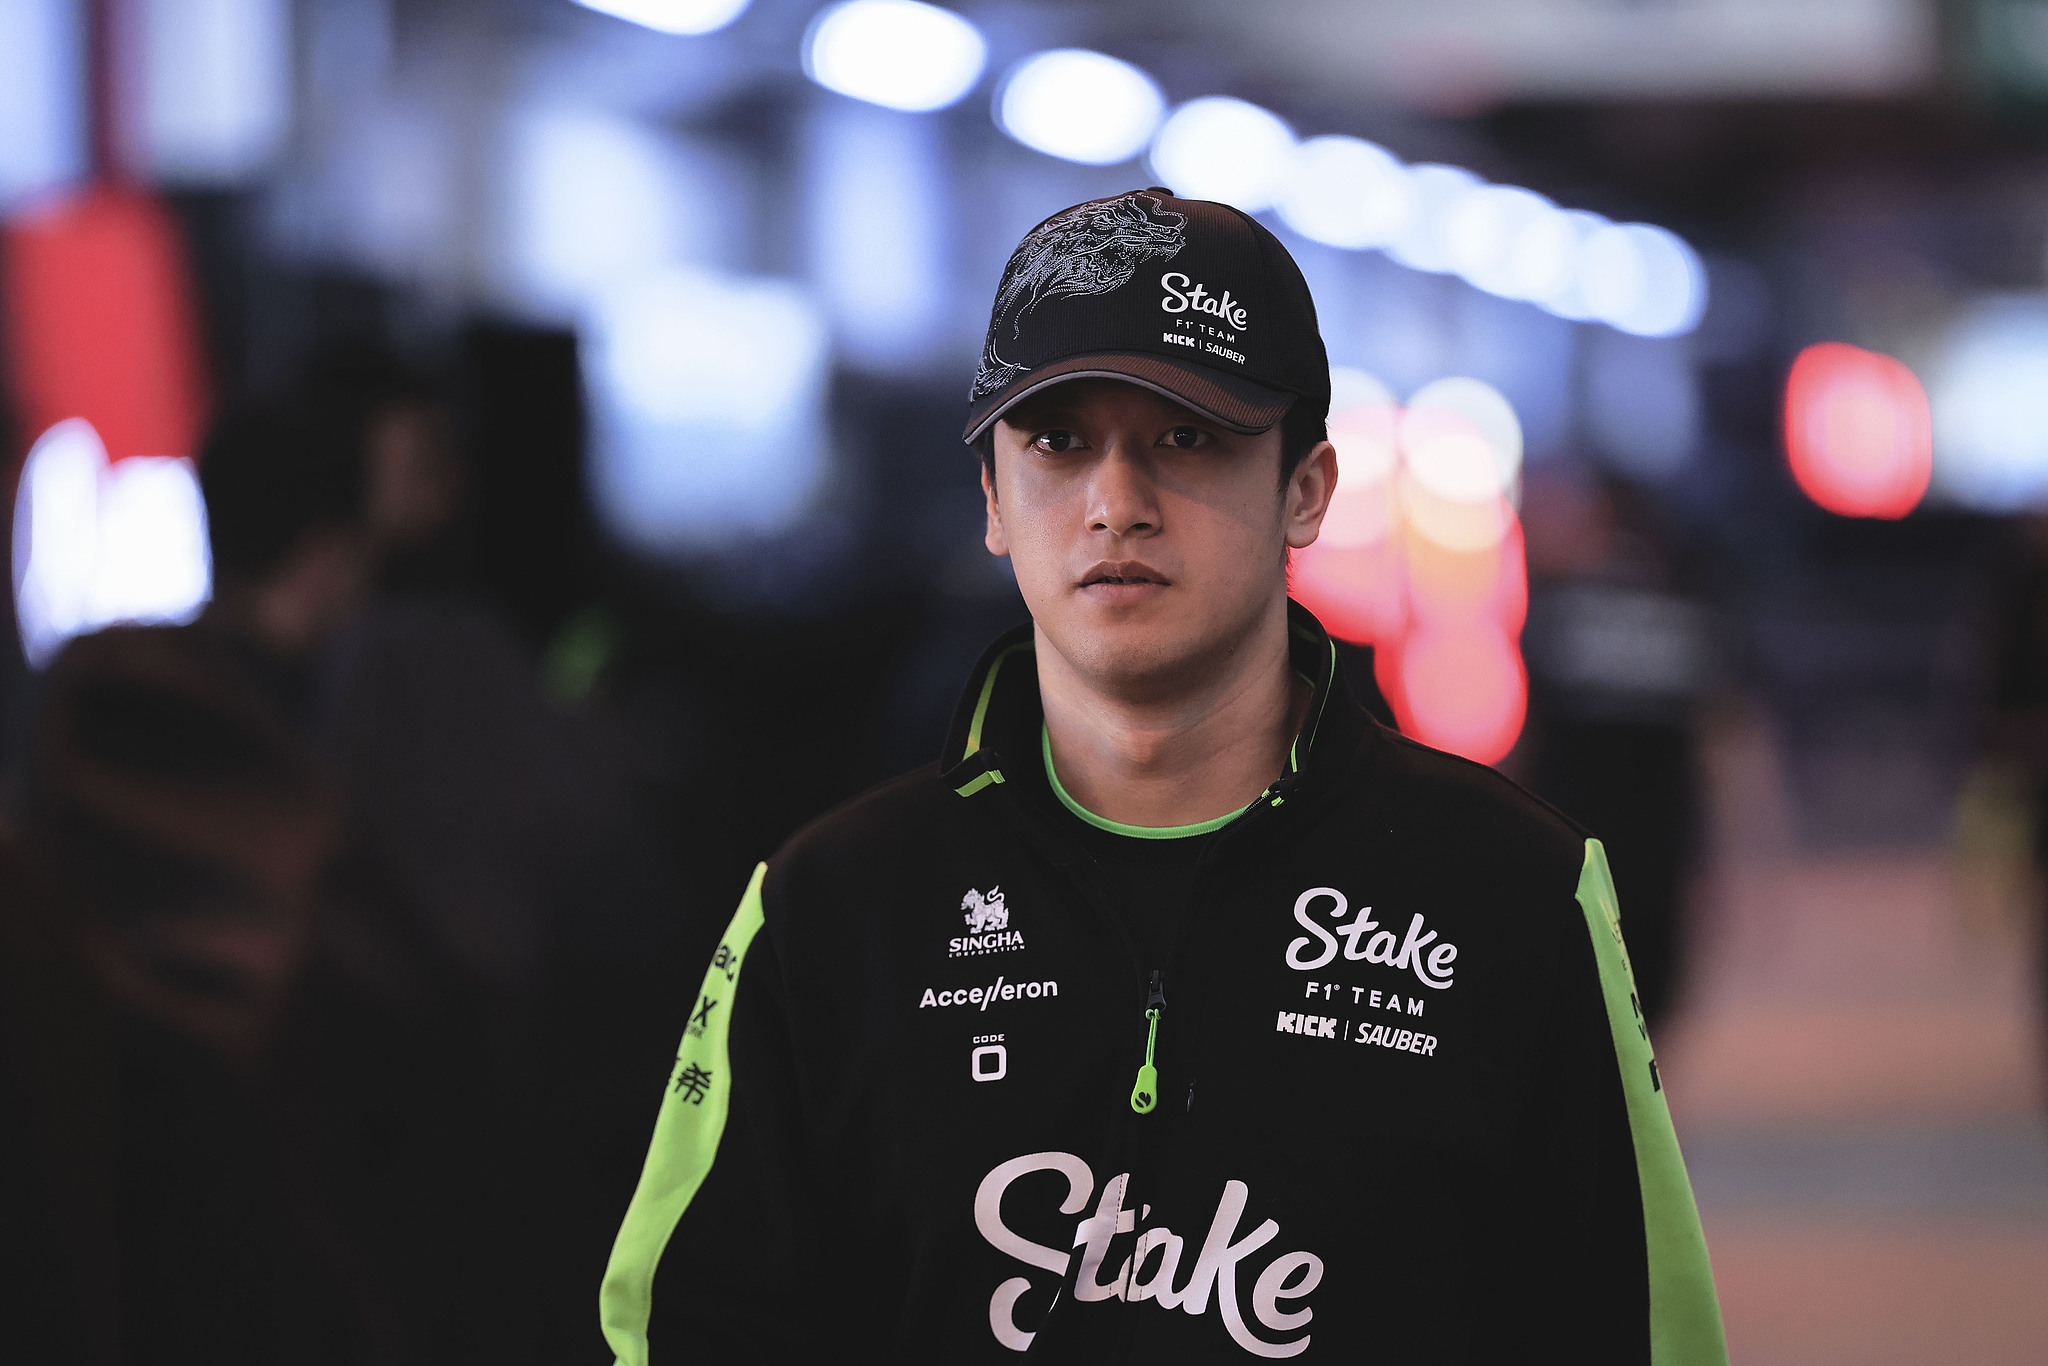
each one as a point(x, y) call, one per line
point(483, 472)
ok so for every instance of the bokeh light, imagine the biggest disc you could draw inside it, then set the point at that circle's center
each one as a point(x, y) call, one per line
point(1224, 149)
point(1421, 556)
point(1351, 577)
point(1462, 440)
point(1542, 262)
point(672, 16)
point(1346, 192)
point(1990, 406)
point(1080, 106)
point(1483, 229)
point(42, 98)
point(591, 198)
point(1423, 242)
point(1857, 431)
point(96, 545)
point(1463, 690)
point(900, 54)
point(1642, 279)
point(216, 87)
point(709, 394)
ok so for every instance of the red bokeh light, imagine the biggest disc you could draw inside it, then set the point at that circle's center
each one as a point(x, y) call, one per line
point(1358, 592)
point(1463, 690)
point(1447, 586)
point(100, 322)
point(1437, 583)
point(1857, 431)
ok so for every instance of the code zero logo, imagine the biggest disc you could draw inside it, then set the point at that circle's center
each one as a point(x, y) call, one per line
point(987, 918)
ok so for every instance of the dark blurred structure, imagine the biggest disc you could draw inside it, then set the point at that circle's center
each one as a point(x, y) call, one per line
point(351, 888)
point(1620, 657)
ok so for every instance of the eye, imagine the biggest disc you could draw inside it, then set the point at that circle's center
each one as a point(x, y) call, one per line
point(1056, 441)
point(1186, 438)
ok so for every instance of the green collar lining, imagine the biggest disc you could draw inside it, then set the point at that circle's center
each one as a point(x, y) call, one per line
point(1136, 832)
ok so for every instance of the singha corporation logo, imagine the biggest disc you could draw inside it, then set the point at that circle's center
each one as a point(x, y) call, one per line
point(987, 917)
point(985, 913)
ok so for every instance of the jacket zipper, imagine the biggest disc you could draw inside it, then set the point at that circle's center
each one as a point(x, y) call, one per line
point(1145, 1091)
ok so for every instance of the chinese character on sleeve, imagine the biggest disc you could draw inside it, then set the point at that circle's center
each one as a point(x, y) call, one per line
point(692, 1082)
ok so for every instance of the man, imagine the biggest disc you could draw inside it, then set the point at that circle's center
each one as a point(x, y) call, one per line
point(1181, 1012)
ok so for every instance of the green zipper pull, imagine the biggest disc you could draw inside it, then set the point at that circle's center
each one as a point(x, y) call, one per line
point(1145, 1092)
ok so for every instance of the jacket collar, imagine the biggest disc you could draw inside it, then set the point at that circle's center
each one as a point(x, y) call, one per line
point(997, 720)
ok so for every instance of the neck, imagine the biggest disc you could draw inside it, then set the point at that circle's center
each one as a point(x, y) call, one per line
point(1178, 756)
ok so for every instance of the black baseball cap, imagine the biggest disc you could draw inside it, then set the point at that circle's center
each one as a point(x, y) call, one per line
point(1188, 298)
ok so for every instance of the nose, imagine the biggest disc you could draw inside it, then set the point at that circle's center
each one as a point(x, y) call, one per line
point(1122, 499)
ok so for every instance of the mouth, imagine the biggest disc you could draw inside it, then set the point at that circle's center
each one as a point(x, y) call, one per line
point(1127, 575)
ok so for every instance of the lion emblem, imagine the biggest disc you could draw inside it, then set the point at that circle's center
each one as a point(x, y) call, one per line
point(1091, 248)
point(985, 913)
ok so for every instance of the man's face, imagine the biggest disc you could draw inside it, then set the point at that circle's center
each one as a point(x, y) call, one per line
point(1147, 539)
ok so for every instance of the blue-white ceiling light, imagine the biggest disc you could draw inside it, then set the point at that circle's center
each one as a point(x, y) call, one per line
point(216, 87)
point(591, 199)
point(1080, 106)
point(1481, 231)
point(42, 98)
point(1346, 192)
point(671, 16)
point(899, 54)
point(1642, 279)
point(1424, 240)
point(1227, 150)
point(1990, 400)
point(708, 395)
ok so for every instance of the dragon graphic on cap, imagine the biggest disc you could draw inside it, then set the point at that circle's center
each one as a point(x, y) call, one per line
point(1092, 248)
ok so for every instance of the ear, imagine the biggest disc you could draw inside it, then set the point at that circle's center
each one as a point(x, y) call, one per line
point(1309, 490)
point(992, 536)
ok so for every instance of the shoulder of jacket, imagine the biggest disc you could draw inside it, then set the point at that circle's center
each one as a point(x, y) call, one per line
point(897, 815)
point(1476, 800)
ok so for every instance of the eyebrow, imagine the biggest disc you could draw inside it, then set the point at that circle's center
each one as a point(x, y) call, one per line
point(1054, 414)
point(1040, 415)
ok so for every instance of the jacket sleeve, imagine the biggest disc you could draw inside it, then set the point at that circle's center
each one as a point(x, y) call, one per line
point(705, 1260)
point(1611, 1258)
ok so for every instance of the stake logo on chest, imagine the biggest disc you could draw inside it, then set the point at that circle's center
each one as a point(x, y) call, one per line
point(1365, 940)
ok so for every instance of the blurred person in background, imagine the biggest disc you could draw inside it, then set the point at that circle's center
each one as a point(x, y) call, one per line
point(175, 801)
point(1619, 657)
point(504, 891)
point(1004, 1049)
point(354, 890)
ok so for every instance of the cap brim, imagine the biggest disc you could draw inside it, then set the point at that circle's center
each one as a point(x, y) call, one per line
point(1238, 404)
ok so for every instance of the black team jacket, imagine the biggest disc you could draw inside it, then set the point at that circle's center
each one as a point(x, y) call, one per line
point(1387, 1099)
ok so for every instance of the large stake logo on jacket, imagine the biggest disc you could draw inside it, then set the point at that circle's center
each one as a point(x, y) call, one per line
point(1148, 1272)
